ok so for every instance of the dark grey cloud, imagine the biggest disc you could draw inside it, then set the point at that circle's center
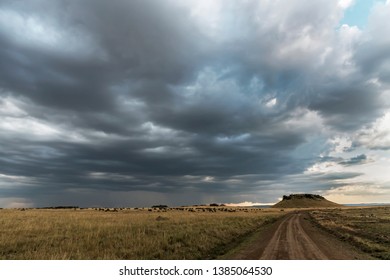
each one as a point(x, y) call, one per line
point(145, 100)
point(360, 159)
point(338, 175)
point(349, 108)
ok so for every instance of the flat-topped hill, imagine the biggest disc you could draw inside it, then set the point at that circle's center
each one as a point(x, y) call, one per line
point(304, 201)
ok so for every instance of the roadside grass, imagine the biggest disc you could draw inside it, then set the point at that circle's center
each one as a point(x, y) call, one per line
point(365, 228)
point(87, 234)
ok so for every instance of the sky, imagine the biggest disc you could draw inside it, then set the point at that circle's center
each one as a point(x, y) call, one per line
point(136, 103)
point(358, 11)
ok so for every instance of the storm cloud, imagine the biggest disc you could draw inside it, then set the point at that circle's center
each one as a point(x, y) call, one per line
point(106, 103)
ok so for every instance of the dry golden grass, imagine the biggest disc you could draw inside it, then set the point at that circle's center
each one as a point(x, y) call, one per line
point(366, 228)
point(89, 234)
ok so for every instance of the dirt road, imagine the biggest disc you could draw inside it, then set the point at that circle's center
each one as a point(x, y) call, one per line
point(290, 241)
point(294, 237)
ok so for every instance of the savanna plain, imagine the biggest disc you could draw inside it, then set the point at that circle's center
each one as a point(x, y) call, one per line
point(173, 233)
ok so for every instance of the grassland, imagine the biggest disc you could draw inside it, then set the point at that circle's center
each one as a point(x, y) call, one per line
point(126, 234)
point(368, 229)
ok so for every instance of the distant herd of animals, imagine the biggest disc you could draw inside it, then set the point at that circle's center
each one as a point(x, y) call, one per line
point(157, 208)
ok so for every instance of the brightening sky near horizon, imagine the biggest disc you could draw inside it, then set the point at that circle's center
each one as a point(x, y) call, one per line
point(135, 103)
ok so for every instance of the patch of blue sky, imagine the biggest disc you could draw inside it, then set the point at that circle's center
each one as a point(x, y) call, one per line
point(358, 13)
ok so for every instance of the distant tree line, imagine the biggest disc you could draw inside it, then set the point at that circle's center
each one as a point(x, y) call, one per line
point(161, 206)
point(300, 196)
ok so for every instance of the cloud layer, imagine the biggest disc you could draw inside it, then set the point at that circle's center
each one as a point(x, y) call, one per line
point(137, 102)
